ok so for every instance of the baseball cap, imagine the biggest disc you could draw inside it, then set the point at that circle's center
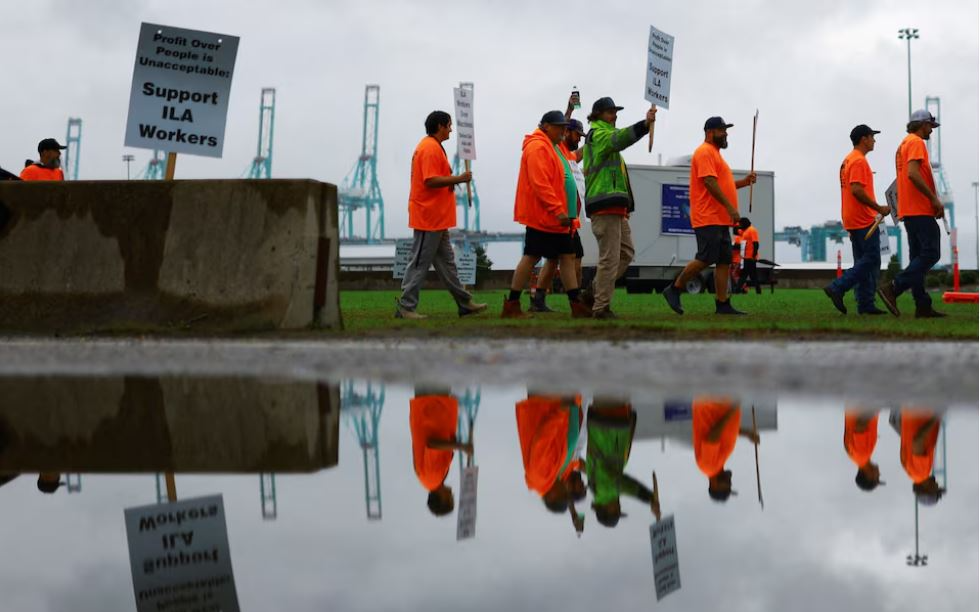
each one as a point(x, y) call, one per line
point(924, 116)
point(554, 117)
point(861, 131)
point(604, 104)
point(49, 144)
point(716, 123)
point(574, 125)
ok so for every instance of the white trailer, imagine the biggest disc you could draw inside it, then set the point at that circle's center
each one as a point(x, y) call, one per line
point(661, 227)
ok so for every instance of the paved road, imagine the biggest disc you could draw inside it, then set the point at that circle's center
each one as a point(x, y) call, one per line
point(936, 372)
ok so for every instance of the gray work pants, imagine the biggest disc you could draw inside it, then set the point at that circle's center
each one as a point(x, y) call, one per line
point(431, 249)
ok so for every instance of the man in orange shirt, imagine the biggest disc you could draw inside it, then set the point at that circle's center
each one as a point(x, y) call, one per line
point(431, 214)
point(858, 213)
point(715, 431)
point(918, 208)
point(48, 167)
point(860, 439)
point(920, 432)
point(546, 204)
point(432, 420)
point(750, 236)
point(714, 209)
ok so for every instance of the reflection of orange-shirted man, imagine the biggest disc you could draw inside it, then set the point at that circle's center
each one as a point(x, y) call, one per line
point(920, 430)
point(432, 418)
point(548, 427)
point(860, 439)
point(715, 431)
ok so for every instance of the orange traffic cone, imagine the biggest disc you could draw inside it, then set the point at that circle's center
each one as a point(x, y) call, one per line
point(840, 271)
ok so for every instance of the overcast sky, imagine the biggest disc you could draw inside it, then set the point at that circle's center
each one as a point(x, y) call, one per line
point(814, 70)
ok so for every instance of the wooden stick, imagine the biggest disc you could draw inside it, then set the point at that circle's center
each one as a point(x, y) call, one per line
point(755, 122)
point(171, 166)
point(758, 482)
point(874, 228)
point(469, 185)
point(171, 484)
point(650, 142)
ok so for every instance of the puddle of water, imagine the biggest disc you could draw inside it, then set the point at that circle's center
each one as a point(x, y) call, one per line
point(327, 504)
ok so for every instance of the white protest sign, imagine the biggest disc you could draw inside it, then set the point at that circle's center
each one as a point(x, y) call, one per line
point(660, 57)
point(466, 265)
point(884, 248)
point(666, 568)
point(179, 97)
point(579, 177)
point(891, 197)
point(466, 517)
point(179, 556)
point(403, 256)
point(465, 135)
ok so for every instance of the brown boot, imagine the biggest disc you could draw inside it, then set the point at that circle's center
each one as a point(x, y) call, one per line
point(580, 310)
point(512, 310)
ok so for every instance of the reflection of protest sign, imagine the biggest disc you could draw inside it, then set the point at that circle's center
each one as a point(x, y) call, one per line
point(465, 262)
point(179, 97)
point(179, 556)
point(660, 57)
point(666, 569)
point(466, 517)
point(675, 210)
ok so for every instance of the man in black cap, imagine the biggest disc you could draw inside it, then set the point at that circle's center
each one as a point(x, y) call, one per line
point(608, 197)
point(858, 213)
point(714, 210)
point(48, 167)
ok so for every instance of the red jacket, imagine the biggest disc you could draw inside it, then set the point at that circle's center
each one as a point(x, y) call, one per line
point(541, 186)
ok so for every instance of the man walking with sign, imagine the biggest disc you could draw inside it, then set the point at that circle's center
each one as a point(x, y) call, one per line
point(431, 214)
point(608, 197)
point(714, 209)
point(918, 208)
point(858, 213)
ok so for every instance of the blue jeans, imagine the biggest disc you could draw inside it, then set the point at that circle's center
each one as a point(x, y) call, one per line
point(923, 235)
point(863, 276)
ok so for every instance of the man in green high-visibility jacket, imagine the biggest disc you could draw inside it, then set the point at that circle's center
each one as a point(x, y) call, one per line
point(608, 198)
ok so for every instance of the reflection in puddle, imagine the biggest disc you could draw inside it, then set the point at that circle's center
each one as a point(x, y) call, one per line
point(690, 499)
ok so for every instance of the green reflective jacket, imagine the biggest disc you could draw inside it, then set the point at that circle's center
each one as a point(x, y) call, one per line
point(607, 184)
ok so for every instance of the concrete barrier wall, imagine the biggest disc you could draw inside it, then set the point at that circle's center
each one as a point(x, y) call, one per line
point(236, 255)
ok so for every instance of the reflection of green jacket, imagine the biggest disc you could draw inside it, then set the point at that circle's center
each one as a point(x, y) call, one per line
point(608, 451)
point(607, 184)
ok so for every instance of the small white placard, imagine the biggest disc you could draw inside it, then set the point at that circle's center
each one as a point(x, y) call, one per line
point(660, 58)
point(403, 255)
point(465, 134)
point(885, 248)
point(891, 197)
point(179, 556)
point(179, 97)
point(466, 266)
point(666, 568)
point(466, 517)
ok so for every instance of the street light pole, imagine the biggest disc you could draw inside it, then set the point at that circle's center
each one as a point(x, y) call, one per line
point(907, 34)
point(127, 158)
point(976, 218)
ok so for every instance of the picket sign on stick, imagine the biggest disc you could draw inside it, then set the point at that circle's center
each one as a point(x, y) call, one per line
point(465, 133)
point(660, 58)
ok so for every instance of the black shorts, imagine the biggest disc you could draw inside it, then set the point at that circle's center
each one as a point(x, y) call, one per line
point(714, 244)
point(547, 244)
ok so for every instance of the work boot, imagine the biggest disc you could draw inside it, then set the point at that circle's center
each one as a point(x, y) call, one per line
point(587, 298)
point(726, 308)
point(673, 297)
point(512, 310)
point(538, 302)
point(580, 310)
point(403, 313)
point(836, 298)
point(470, 308)
point(605, 314)
point(886, 291)
point(927, 312)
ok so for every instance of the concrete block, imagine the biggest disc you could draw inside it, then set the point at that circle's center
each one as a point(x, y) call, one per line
point(210, 255)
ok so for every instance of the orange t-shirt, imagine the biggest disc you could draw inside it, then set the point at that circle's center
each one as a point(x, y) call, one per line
point(860, 445)
point(736, 249)
point(749, 237)
point(429, 209)
point(705, 209)
point(855, 169)
point(40, 173)
point(542, 426)
point(707, 411)
point(918, 467)
point(432, 417)
point(911, 202)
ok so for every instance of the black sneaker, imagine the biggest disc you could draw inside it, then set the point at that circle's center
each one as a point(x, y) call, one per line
point(836, 298)
point(886, 292)
point(873, 311)
point(673, 298)
point(538, 303)
point(605, 313)
point(929, 313)
point(726, 308)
